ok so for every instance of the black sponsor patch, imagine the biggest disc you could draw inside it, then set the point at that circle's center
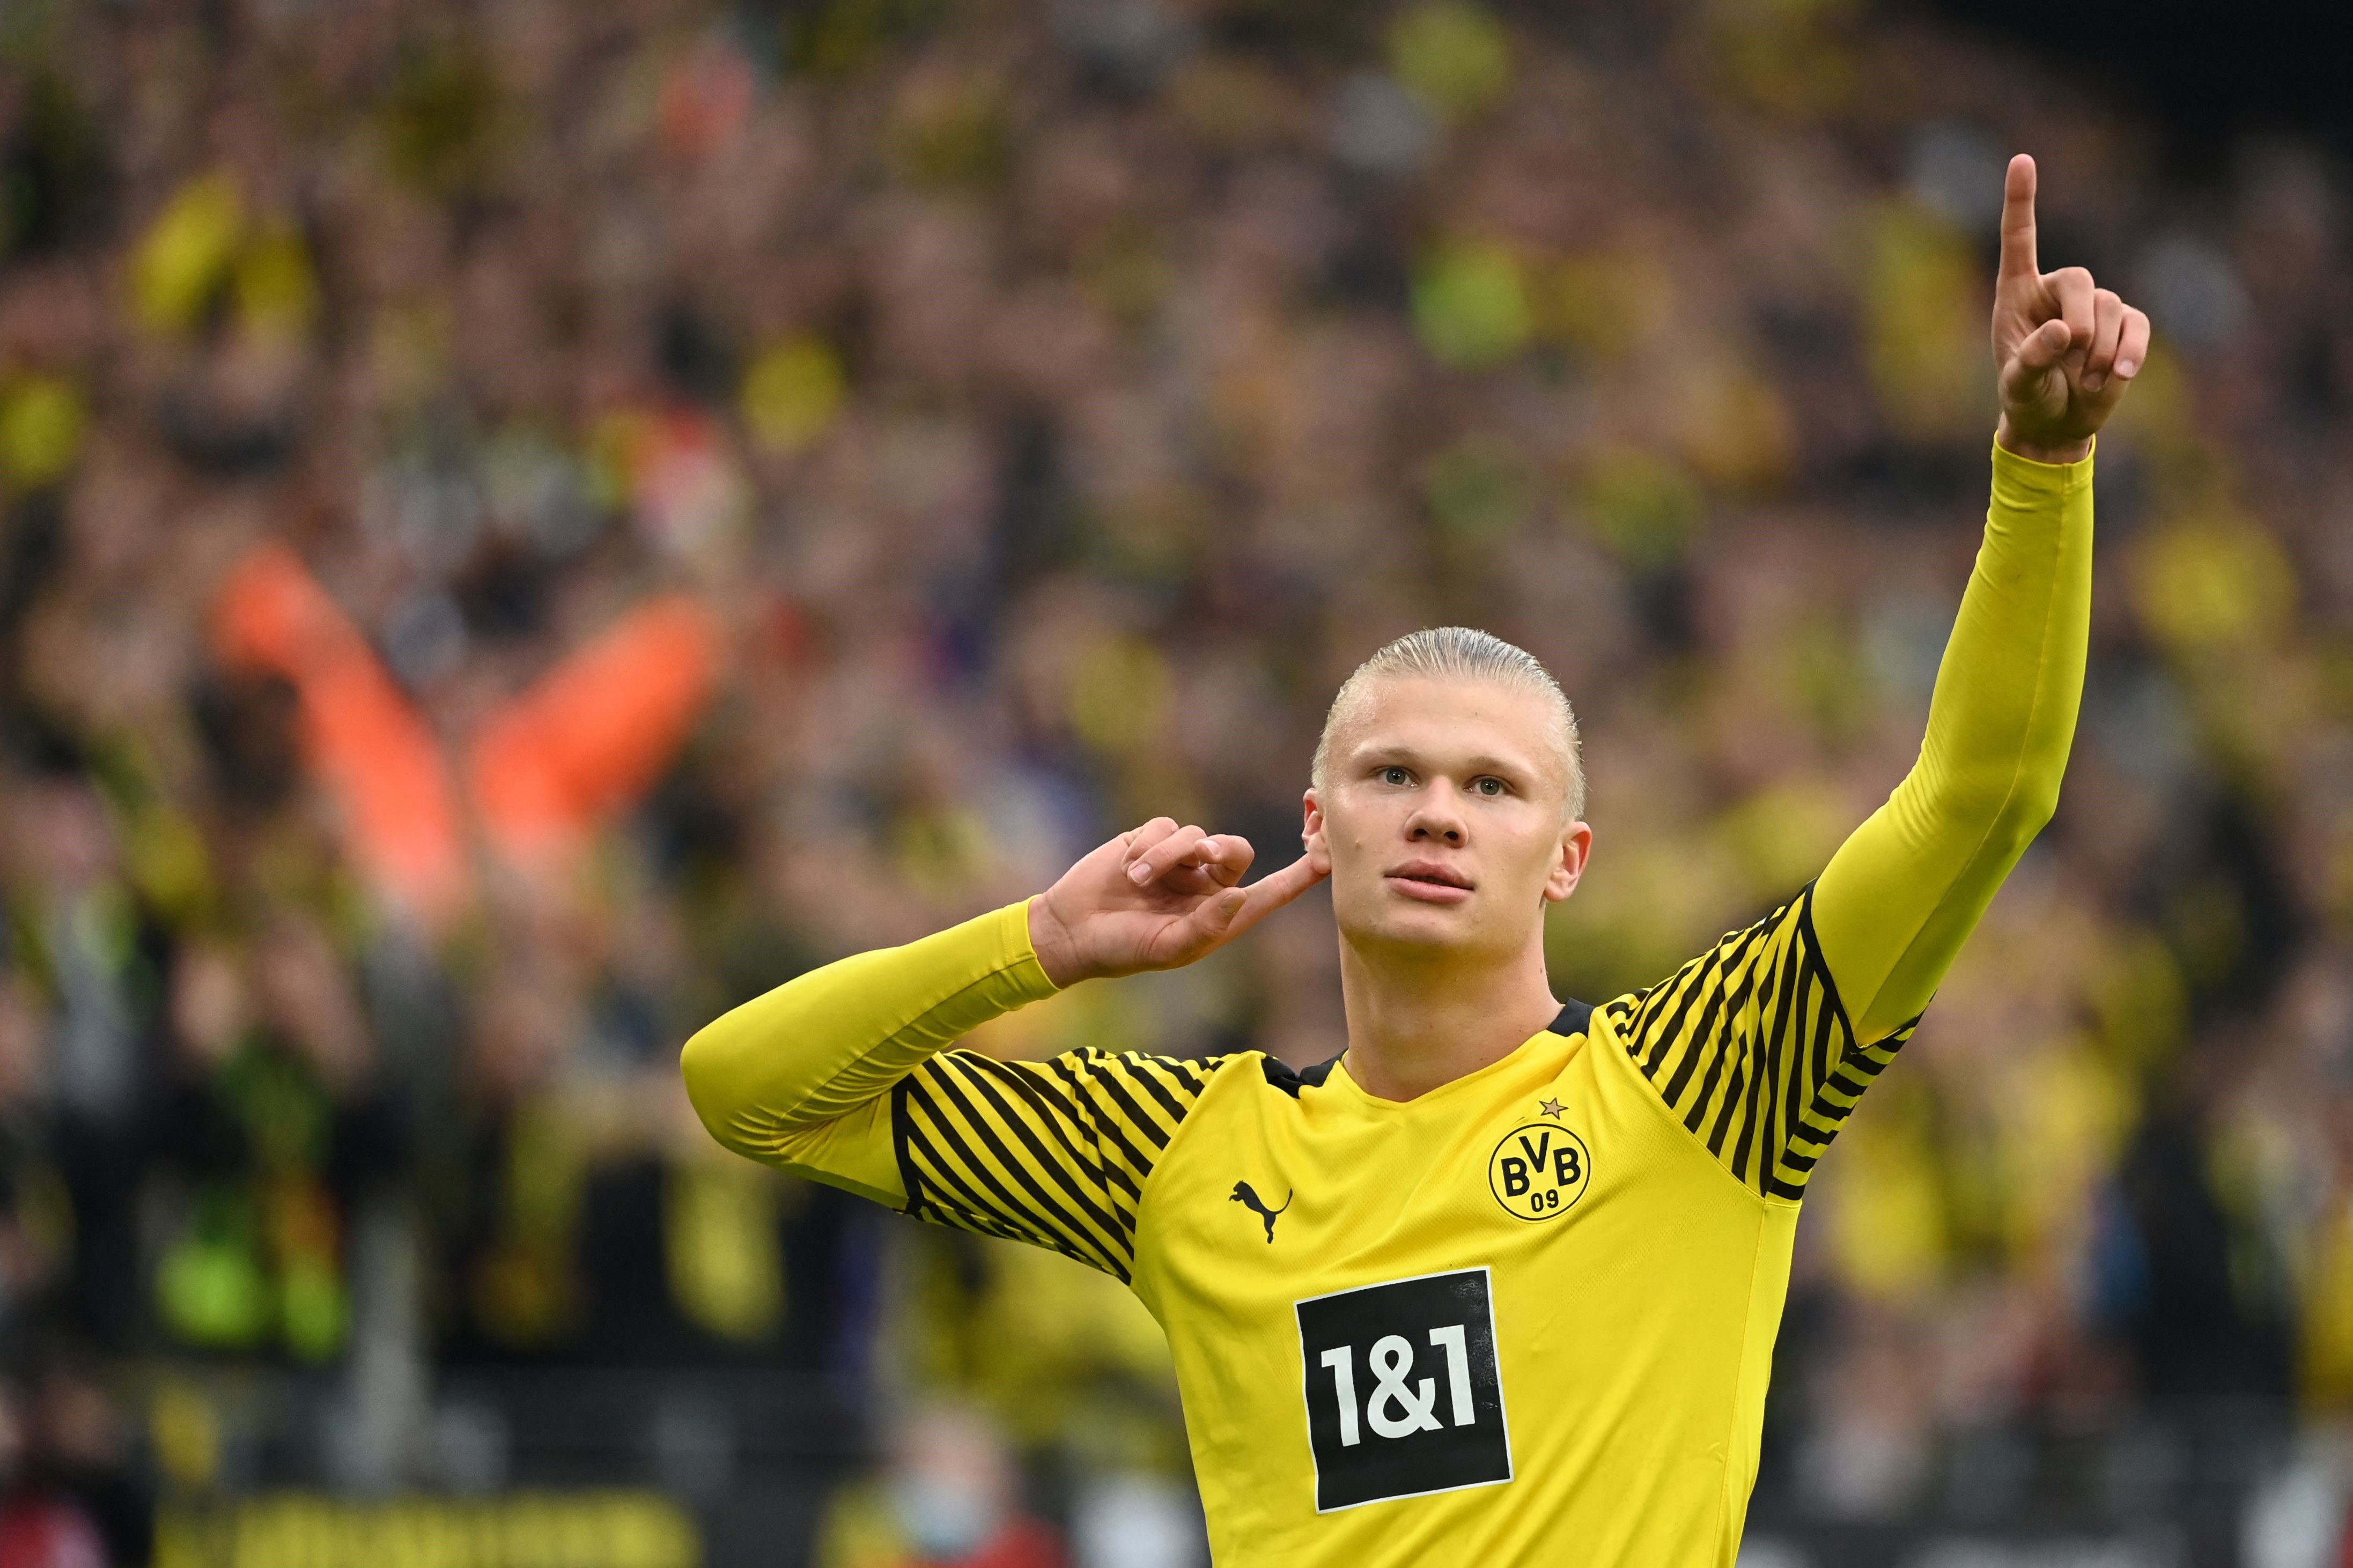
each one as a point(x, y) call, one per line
point(1403, 1398)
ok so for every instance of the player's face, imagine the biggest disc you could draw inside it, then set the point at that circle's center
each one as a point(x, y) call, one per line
point(1442, 818)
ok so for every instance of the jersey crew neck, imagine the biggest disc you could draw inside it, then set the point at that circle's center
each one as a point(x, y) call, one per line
point(1570, 1024)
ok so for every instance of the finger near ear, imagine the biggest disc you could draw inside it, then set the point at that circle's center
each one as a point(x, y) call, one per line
point(1276, 889)
point(1216, 918)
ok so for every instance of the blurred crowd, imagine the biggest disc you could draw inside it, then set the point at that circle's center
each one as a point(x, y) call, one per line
point(524, 525)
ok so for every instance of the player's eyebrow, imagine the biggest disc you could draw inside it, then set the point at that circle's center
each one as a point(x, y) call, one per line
point(1501, 765)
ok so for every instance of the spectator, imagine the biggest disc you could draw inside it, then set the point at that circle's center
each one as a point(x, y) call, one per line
point(949, 1500)
point(523, 526)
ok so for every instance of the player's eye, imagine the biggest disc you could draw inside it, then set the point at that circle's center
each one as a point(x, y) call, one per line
point(1394, 775)
point(1490, 785)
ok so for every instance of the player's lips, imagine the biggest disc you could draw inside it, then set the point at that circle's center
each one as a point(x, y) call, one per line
point(1429, 881)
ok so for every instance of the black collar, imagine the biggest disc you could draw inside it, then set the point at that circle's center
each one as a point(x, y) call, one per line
point(1573, 1020)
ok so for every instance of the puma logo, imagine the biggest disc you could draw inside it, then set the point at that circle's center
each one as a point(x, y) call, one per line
point(1249, 1200)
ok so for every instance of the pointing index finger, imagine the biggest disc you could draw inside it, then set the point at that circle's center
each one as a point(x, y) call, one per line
point(1274, 889)
point(2018, 220)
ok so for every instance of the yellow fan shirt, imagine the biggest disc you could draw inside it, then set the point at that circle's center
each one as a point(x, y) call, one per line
point(1528, 1317)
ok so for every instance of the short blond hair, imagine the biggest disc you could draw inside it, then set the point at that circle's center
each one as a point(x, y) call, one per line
point(1459, 653)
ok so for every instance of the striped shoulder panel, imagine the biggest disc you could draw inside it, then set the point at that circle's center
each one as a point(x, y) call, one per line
point(1750, 1046)
point(1053, 1153)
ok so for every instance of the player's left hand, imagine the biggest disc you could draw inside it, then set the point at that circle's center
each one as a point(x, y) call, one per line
point(2066, 348)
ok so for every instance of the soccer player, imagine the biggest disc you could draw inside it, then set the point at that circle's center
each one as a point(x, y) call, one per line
point(1499, 1284)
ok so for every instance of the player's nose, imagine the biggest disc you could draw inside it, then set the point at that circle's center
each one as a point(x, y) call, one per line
point(1435, 822)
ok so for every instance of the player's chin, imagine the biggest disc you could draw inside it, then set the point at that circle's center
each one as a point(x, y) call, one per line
point(1414, 923)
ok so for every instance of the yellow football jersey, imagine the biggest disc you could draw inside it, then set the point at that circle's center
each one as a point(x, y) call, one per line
point(1526, 1318)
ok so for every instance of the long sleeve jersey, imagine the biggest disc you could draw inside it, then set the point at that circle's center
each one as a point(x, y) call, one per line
point(1527, 1317)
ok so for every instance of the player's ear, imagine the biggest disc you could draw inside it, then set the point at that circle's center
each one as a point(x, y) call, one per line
point(1575, 849)
point(1311, 833)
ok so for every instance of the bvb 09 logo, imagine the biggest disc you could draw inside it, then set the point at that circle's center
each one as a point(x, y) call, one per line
point(1537, 1172)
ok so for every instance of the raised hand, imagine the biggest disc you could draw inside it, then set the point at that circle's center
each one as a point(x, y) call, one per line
point(2066, 349)
point(1157, 898)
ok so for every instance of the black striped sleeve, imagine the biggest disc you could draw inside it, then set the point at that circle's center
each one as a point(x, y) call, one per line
point(1749, 1045)
point(1053, 1153)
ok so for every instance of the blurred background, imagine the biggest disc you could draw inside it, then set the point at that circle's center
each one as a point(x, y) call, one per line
point(524, 525)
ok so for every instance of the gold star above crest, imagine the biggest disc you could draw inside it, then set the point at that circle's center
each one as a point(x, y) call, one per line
point(1549, 1108)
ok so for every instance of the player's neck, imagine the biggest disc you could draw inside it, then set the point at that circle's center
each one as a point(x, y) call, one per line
point(1417, 1026)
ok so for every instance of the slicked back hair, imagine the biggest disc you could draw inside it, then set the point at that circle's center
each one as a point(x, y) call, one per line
point(1459, 653)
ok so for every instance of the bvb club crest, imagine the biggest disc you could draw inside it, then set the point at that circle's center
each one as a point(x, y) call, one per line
point(1539, 1170)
